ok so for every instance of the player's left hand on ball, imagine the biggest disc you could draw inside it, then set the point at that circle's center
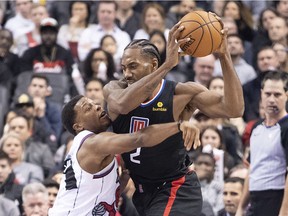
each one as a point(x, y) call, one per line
point(191, 135)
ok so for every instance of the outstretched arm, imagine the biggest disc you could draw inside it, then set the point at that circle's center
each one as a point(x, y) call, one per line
point(119, 95)
point(110, 143)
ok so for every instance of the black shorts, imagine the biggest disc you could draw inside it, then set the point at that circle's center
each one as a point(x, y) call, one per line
point(265, 203)
point(179, 197)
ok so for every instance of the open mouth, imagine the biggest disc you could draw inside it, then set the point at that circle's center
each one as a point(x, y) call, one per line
point(103, 114)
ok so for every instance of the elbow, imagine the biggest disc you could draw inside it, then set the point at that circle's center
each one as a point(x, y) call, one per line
point(236, 112)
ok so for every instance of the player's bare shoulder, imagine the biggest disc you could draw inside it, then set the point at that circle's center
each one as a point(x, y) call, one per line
point(190, 88)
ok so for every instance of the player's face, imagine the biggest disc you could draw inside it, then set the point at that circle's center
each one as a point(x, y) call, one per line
point(231, 194)
point(135, 65)
point(274, 97)
point(91, 116)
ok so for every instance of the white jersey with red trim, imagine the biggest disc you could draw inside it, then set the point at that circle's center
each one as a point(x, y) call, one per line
point(82, 193)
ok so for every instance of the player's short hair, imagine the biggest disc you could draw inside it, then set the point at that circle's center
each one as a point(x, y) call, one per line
point(146, 47)
point(69, 114)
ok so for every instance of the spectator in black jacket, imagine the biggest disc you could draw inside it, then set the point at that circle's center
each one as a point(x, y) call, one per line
point(9, 186)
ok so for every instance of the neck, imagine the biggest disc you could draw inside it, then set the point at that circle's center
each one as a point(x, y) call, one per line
point(271, 119)
point(155, 92)
point(124, 13)
point(235, 59)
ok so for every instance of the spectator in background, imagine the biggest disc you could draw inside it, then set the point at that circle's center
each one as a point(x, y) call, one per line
point(176, 12)
point(109, 44)
point(9, 186)
point(52, 188)
point(278, 31)
point(282, 7)
point(35, 152)
point(25, 172)
point(21, 23)
point(210, 135)
point(282, 55)
point(261, 38)
point(24, 105)
point(239, 171)
point(99, 64)
point(128, 19)
point(153, 18)
point(31, 38)
point(157, 37)
point(243, 17)
point(49, 111)
point(9, 62)
point(8, 207)
point(94, 91)
point(211, 189)
point(106, 13)
point(70, 34)
point(217, 84)
point(266, 182)
point(35, 200)
point(232, 192)
point(49, 57)
point(244, 71)
point(203, 68)
point(266, 60)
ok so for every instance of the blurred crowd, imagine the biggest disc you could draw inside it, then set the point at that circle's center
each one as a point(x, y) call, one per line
point(53, 50)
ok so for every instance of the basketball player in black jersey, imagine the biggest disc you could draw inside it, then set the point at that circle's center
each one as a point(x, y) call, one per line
point(163, 184)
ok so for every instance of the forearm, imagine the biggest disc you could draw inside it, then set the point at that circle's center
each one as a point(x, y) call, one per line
point(233, 94)
point(284, 206)
point(139, 91)
point(155, 134)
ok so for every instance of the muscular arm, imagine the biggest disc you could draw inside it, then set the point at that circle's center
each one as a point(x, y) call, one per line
point(122, 98)
point(109, 143)
point(213, 104)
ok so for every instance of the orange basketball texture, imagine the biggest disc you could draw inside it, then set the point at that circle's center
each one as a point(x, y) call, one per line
point(204, 31)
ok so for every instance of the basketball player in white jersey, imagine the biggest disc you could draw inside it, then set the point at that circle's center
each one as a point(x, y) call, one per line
point(90, 185)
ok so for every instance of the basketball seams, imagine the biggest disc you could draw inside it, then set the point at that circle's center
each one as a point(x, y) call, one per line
point(204, 44)
point(201, 25)
point(211, 38)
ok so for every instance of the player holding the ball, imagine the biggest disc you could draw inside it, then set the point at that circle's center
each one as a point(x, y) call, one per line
point(164, 186)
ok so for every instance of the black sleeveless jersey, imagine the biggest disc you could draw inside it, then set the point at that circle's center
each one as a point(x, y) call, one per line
point(164, 162)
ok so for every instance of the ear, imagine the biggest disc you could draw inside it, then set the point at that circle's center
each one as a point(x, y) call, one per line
point(78, 127)
point(155, 64)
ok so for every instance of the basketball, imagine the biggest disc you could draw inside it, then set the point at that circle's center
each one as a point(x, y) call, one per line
point(204, 31)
